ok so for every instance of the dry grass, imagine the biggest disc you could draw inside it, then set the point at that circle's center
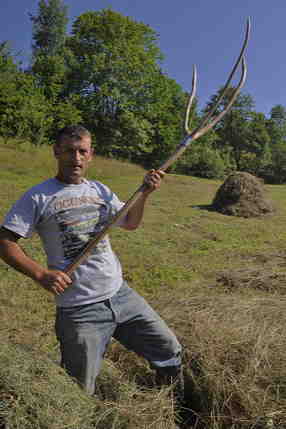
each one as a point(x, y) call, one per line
point(36, 393)
point(218, 280)
point(235, 360)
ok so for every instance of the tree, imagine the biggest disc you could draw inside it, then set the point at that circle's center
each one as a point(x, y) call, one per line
point(165, 112)
point(256, 157)
point(115, 58)
point(24, 111)
point(125, 98)
point(234, 129)
point(49, 52)
point(49, 28)
point(7, 63)
point(50, 73)
point(277, 124)
point(277, 170)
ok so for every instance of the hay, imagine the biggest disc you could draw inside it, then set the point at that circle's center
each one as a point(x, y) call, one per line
point(241, 195)
point(234, 358)
point(254, 278)
point(35, 393)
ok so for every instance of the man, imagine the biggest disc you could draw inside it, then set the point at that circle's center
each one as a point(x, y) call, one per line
point(94, 303)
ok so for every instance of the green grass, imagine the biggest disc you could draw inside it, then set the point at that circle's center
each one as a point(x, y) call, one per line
point(219, 281)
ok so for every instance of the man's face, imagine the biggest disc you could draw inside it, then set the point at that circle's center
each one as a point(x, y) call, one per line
point(73, 159)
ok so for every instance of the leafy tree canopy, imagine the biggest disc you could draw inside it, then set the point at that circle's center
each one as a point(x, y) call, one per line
point(49, 27)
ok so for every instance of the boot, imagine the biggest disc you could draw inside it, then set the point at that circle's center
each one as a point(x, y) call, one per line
point(172, 376)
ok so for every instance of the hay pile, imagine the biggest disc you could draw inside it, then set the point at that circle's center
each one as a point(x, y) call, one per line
point(241, 195)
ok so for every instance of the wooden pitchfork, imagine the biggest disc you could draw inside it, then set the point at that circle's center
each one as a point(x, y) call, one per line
point(206, 123)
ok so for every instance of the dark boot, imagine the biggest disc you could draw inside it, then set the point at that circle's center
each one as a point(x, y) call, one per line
point(172, 375)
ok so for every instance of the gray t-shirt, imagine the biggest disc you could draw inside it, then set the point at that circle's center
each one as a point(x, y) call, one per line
point(66, 217)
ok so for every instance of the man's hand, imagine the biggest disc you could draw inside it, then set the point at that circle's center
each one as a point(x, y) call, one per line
point(55, 281)
point(153, 180)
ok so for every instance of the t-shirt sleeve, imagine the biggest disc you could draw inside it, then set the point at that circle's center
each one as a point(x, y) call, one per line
point(118, 204)
point(23, 216)
point(112, 199)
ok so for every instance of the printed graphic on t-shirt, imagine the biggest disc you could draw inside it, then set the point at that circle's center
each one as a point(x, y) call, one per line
point(78, 225)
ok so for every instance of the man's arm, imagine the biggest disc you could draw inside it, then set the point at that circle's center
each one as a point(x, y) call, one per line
point(11, 252)
point(135, 214)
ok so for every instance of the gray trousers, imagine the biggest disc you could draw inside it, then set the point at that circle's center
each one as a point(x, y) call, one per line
point(84, 333)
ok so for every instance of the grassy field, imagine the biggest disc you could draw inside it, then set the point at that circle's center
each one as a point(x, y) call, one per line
point(219, 282)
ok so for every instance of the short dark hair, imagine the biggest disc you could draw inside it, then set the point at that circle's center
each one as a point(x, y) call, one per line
point(72, 132)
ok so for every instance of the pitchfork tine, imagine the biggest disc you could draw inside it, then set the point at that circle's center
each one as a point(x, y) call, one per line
point(240, 59)
point(230, 103)
point(190, 102)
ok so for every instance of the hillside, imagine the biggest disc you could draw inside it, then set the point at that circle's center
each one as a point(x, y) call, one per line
point(219, 281)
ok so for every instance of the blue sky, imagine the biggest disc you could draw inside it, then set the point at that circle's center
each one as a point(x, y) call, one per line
point(207, 33)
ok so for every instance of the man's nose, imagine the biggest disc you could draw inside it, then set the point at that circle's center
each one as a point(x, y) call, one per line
point(77, 155)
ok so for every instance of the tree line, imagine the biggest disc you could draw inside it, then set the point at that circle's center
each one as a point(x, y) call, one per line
point(107, 75)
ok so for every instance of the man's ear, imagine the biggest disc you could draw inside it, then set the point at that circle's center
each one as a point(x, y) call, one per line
point(56, 150)
point(92, 154)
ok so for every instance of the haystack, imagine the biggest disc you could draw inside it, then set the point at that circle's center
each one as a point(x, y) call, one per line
point(242, 194)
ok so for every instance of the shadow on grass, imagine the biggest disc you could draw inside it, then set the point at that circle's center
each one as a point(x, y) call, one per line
point(208, 207)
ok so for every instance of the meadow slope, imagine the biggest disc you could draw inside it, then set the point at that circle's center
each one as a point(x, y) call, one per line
point(219, 281)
